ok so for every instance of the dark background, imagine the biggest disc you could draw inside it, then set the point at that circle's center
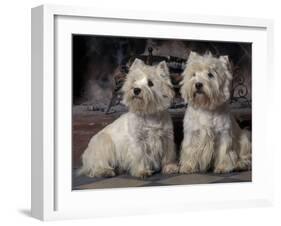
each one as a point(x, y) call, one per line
point(96, 59)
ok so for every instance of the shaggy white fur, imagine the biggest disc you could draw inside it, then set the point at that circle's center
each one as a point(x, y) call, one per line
point(141, 141)
point(212, 137)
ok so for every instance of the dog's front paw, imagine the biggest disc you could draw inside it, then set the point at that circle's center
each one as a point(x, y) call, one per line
point(143, 174)
point(222, 168)
point(188, 168)
point(104, 173)
point(243, 165)
point(170, 168)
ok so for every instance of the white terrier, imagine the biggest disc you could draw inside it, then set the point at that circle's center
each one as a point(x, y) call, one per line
point(212, 137)
point(141, 141)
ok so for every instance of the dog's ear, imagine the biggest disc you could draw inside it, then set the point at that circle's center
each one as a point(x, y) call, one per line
point(228, 66)
point(163, 69)
point(208, 53)
point(193, 56)
point(136, 64)
point(225, 60)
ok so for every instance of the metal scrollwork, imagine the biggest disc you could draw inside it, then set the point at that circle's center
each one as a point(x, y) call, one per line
point(240, 91)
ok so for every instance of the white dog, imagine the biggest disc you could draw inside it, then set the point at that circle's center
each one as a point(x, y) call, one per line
point(141, 141)
point(212, 137)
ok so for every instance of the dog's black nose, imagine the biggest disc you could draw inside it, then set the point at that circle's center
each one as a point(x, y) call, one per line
point(137, 91)
point(198, 85)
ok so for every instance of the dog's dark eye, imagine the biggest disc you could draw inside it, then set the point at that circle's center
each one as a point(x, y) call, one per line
point(150, 83)
point(210, 75)
point(193, 75)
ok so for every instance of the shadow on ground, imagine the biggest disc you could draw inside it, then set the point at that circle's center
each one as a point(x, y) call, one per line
point(123, 181)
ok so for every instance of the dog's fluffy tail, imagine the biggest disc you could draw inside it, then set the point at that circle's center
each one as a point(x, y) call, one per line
point(81, 171)
point(245, 155)
point(84, 169)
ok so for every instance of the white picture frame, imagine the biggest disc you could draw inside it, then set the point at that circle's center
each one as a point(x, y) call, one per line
point(52, 197)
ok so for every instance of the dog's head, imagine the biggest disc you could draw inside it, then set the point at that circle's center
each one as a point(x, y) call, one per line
point(206, 81)
point(147, 89)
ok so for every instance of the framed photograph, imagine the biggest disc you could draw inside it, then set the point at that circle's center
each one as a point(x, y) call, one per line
point(142, 112)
